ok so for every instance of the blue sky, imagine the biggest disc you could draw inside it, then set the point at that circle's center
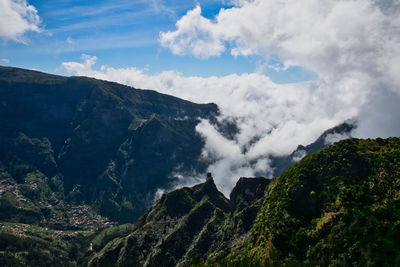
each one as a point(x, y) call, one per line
point(122, 34)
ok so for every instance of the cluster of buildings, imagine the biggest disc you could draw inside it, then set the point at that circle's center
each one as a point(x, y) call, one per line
point(65, 216)
point(24, 230)
point(8, 186)
point(19, 229)
point(80, 215)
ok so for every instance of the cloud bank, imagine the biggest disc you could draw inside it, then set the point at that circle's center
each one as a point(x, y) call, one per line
point(16, 18)
point(353, 46)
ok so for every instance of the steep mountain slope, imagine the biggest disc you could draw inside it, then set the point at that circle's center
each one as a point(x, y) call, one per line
point(108, 145)
point(187, 225)
point(339, 206)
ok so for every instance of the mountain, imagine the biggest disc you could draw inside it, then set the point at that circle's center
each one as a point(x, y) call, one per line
point(91, 142)
point(187, 225)
point(339, 206)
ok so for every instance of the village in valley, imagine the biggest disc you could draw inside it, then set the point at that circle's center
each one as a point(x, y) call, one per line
point(64, 220)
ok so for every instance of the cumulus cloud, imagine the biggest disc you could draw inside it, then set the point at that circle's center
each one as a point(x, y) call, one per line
point(84, 68)
point(195, 35)
point(352, 45)
point(16, 18)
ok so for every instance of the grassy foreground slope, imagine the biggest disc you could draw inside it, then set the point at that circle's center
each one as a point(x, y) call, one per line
point(339, 206)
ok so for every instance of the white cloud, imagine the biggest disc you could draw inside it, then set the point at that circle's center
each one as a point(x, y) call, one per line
point(195, 35)
point(16, 18)
point(84, 68)
point(230, 162)
point(5, 60)
point(298, 155)
point(159, 193)
point(380, 116)
point(335, 137)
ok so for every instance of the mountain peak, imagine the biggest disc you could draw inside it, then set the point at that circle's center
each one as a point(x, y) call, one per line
point(209, 189)
point(209, 177)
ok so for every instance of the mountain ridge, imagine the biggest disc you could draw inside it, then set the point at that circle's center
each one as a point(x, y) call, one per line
point(183, 224)
point(332, 207)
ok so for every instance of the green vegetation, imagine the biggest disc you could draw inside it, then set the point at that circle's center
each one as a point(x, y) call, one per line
point(188, 226)
point(23, 245)
point(338, 206)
